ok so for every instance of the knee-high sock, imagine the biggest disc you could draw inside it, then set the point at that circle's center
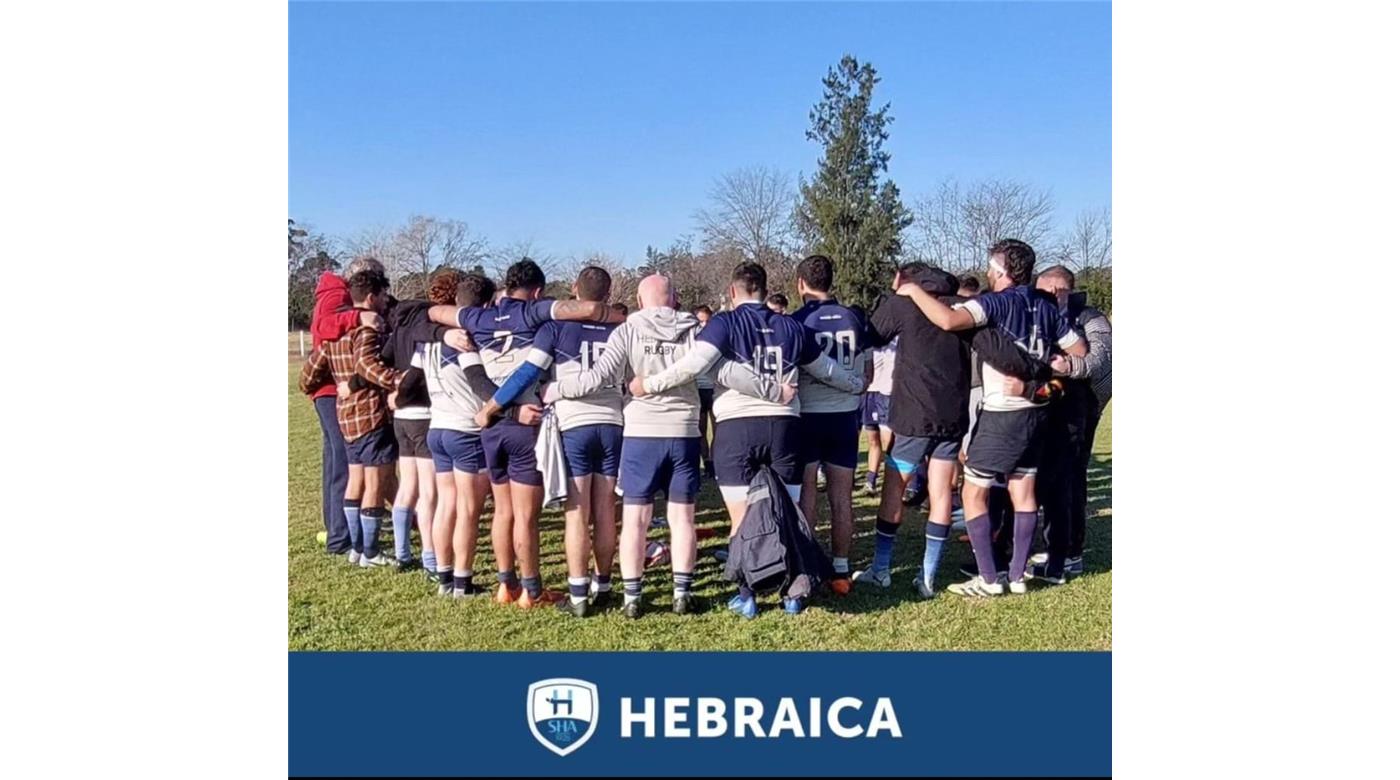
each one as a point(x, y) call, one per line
point(884, 544)
point(401, 517)
point(1021, 543)
point(352, 520)
point(979, 530)
point(934, 537)
point(370, 519)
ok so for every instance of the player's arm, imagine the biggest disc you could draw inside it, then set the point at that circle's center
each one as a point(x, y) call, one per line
point(697, 361)
point(451, 316)
point(583, 311)
point(743, 378)
point(315, 372)
point(813, 360)
point(368, 364)
point(1098, 337)
point(1000, 352)
point(607, 368)
point(537, 362)
point(960, 317)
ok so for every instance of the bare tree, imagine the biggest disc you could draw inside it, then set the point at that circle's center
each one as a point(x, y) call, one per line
point(503, 257)
point(750, 209)
point(427, 244)
point(954, 226)
point(1089, 242)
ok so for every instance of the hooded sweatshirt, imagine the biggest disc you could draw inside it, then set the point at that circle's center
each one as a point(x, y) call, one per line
point(331, 318)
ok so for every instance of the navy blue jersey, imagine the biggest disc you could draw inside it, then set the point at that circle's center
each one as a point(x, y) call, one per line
point(774, 344)
point(572, 348)
point(843, 336)
point(504, 332)
point(1030, 320)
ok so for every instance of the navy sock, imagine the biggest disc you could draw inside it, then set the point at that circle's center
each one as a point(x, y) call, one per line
point(352, 520)
point(603, 581)
point(1024, 533)
point(510, 578)
point(979, 530)
point(632, 588)
point(459, 582)
point(884, 544)
point(532, 586)
point(445, 577)
point(370, 520)
point(934, 537)
point(578, 587)
point(401, 516)
point(681, 582)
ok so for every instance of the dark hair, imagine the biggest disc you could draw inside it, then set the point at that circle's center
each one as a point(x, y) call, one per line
point(594, 284)
point(702, 307)
point(1017, 256)
point(475, 290)
point(969, 282)
point(1058, 272)
point(751, 278)
point(442, 288)
point(620, 308)
point(366, 283)
point(815, 272)
point(524, 275)
point(779, 300)
point(914, 270)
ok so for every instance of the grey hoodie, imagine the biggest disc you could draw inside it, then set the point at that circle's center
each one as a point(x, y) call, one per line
point(649, 342)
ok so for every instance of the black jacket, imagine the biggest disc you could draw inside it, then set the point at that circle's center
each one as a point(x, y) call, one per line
point(775, 548)
point(408, 326)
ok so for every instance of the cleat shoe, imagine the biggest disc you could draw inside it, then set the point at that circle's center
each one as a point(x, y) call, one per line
point(602, 599)
point(471, 589)
point(353, 557)
point(444, 590)
point(404, 567)
point(925, 589)
point(1041, 571)
point(1074, 566)
point(1040, 558)
point(506, 595)
point(632, 610)
point(792, 606)
point(746, 608)
point(1018, 586)
point(381, 559)
point(841, 586)
point(431, 576)
point(568, 606)
point(872, 577)
point(978, 587)
point(547, 596)
point(685, 605)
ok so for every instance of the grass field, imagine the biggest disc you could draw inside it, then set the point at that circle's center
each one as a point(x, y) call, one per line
point(332, 606)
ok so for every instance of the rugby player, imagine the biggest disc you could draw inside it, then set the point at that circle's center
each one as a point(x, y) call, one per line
point(875, 411)
point(1007, 440)
point(830, 417)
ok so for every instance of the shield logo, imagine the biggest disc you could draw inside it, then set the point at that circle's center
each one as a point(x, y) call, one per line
point(563, 713)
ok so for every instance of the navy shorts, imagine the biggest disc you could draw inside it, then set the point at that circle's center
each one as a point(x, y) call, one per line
point(907, 452)
point(745, 444)
point(1004, 444)
point(412, 438)
point(456, 451)
point(670, 464)
point(875, 411)
point(510, 453)
point(831, 437)
point(592, 449)
point(376, 448)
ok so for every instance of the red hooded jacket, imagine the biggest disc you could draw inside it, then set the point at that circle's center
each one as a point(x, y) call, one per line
point(331, 319)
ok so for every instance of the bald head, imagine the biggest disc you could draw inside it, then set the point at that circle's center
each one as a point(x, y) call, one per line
point(655, 290)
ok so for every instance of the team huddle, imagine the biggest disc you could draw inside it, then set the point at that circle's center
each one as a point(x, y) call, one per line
point(521, 399)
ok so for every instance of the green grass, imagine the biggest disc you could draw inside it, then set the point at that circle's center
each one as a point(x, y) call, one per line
point(332, 606)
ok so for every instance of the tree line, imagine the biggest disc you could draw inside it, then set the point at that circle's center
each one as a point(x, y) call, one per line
point(849, 209)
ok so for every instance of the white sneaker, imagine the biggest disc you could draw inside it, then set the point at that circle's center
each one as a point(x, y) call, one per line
point(869, 577)
point(1017, 586)
point(978, 587)
point(1040, 558)
point(381, 559)
point(354, 558)
point(925, 589)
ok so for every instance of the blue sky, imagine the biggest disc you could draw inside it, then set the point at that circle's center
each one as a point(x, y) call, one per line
point(600, 127)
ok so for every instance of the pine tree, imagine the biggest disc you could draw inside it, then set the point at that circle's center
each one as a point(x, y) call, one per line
point(847, 212)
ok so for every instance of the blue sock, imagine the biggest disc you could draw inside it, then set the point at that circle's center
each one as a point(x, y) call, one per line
point(531, 585)
point(369, 527)
point(402, 551)
point(884, 544)
point(510, 578)
point(934, 537)
point(352, 521)
point(429, 560)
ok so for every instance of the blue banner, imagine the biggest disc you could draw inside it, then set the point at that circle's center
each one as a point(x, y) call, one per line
point(650, 714)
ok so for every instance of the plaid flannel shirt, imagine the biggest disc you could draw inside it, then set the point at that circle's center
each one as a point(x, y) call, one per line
point(356, 353)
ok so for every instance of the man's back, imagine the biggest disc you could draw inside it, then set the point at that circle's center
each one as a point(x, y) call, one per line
point(842, 335)
point(573, 348)
point(504, 334)
point(774, 344)
point(930, 381)
point(1029, 319)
